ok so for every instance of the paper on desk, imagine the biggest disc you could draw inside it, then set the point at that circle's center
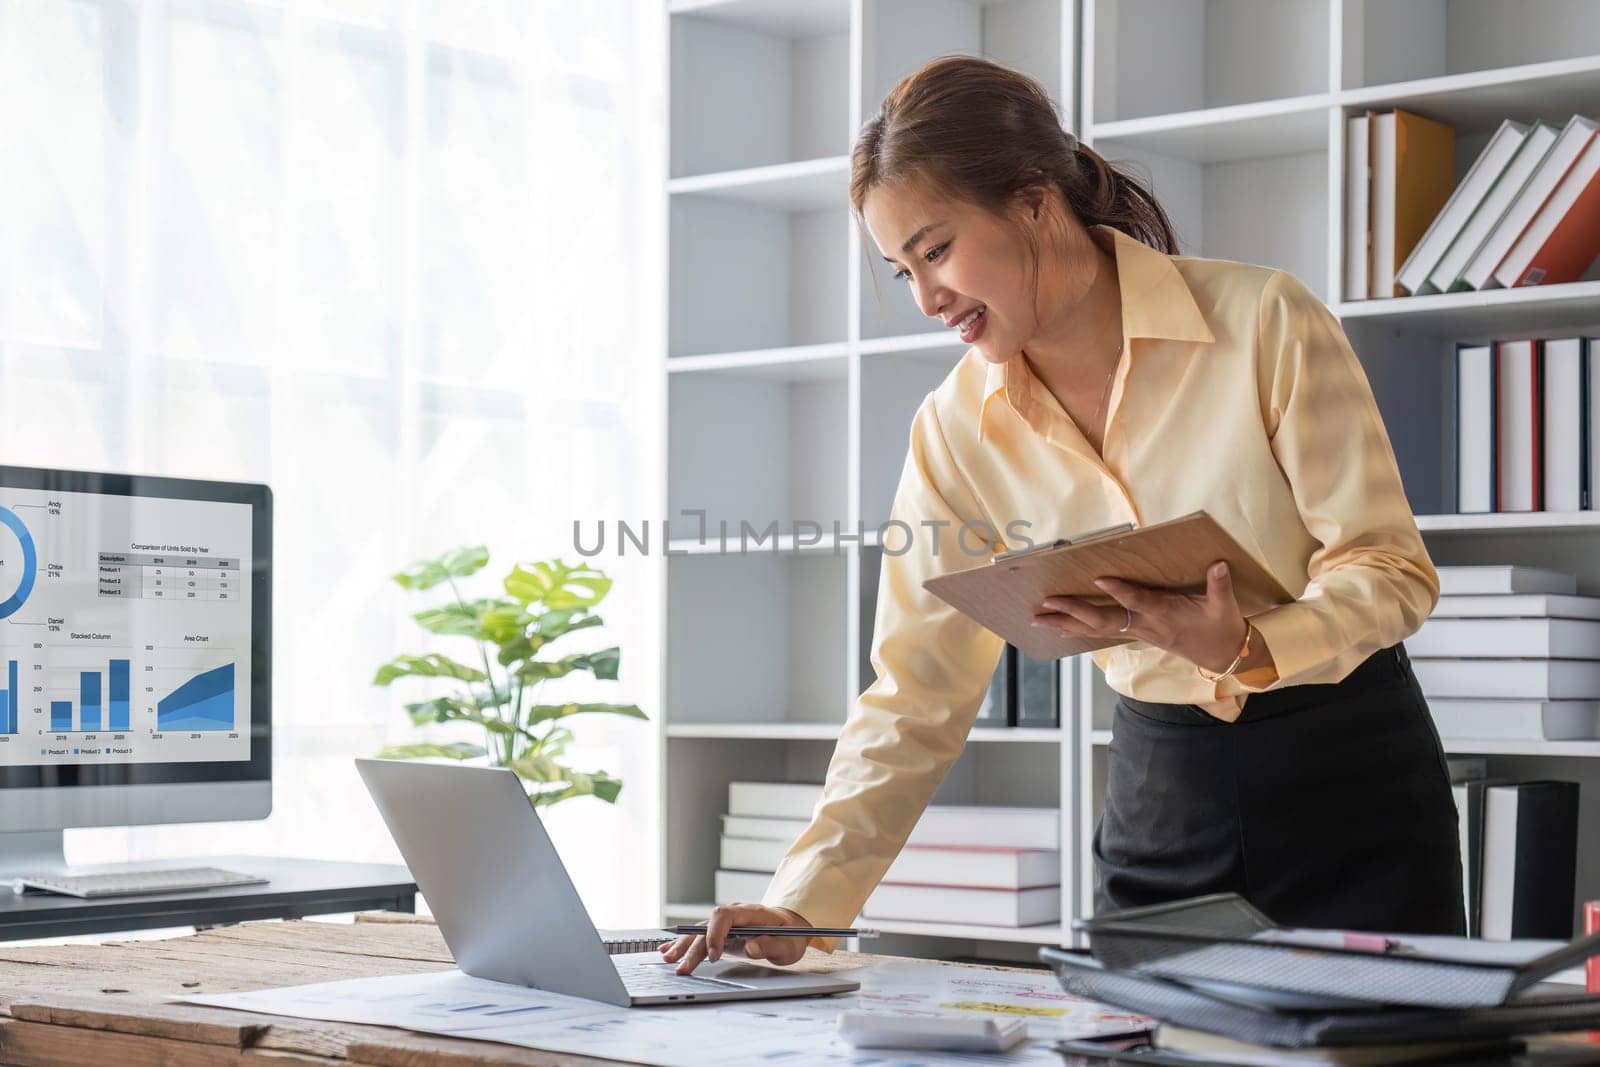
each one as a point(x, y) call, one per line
point(715, 1035)
point(907, 987)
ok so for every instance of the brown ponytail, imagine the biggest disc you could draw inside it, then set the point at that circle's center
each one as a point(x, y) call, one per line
point(973, 130)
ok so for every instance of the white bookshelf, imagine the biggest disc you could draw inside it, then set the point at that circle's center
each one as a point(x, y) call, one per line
point(793, 372)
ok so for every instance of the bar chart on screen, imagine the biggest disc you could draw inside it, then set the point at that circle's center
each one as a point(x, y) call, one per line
point(102, 693)
point(10, 696)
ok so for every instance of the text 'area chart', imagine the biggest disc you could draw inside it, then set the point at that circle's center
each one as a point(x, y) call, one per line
point(124, 629)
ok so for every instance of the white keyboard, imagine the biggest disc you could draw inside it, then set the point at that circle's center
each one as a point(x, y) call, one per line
point(131, 883)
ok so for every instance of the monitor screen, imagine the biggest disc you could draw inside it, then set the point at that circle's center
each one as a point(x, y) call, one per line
point(134, 629)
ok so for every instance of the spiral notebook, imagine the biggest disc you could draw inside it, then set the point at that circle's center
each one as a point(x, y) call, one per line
point(618, 942)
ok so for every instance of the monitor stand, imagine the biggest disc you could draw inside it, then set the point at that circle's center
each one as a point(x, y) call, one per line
point(33, 852)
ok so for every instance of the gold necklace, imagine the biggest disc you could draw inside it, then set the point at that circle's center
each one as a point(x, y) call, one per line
point(1105, 394)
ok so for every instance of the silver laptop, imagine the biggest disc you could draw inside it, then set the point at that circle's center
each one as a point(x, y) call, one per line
point(509, 912)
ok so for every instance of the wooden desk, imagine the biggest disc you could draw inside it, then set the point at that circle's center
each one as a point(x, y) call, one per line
point(91, 1005)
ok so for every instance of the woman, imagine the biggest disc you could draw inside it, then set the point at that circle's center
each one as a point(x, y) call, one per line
point(1289, 757)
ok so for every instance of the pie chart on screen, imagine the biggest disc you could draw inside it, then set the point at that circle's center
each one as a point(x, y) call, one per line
point(19, 563)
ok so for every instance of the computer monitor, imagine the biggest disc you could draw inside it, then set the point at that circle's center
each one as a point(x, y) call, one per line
point(135, 655)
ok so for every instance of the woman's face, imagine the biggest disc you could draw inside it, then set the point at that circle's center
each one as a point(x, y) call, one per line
point(965, 266)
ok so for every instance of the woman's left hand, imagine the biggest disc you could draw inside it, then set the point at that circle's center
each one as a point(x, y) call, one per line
point(1205, 630)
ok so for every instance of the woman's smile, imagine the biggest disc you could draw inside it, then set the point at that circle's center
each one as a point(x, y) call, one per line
point(970, 326)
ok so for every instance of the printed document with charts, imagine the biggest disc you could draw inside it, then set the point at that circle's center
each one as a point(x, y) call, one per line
point(710, 1035)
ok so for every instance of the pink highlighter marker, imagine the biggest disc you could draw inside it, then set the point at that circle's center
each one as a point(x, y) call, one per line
point(1369, 942)
point(1591, 967)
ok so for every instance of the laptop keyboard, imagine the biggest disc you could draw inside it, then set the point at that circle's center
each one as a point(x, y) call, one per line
point(650, 980)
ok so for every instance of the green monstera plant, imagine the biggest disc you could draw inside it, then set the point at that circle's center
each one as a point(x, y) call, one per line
point(543, 602)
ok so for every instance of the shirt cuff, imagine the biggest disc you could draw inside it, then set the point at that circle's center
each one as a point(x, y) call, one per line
point(1291, 634)
point(807, 893)
point(1254, 680)
point(1237, 685)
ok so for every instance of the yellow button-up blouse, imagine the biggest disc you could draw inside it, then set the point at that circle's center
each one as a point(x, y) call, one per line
point(1238, 394)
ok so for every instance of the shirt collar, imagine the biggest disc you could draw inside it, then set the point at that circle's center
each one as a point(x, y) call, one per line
point(1156, 302)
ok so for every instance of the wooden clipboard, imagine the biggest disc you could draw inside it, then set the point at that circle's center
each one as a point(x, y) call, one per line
point(1006, 593)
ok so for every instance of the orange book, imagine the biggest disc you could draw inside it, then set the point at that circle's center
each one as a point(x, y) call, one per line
point(1564, 237)
point(1413, 177)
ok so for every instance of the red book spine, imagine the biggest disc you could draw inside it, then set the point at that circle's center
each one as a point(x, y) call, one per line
point(1536, 354)
point(1499, 431)
point(1591, 925)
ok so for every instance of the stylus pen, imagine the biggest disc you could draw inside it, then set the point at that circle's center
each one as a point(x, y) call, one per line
point(781, 931)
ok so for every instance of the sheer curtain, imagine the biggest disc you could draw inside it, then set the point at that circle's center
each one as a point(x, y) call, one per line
point(399, 260)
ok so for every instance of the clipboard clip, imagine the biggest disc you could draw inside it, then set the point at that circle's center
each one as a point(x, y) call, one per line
point(1060, 542)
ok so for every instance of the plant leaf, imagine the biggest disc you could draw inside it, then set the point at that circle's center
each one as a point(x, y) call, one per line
point(599, 785)
point(454, 620)
point(454, 709)
point(502, 621)
point(432, 665)
point(554, 624)
point(498, 726)
point(423, 750)
point(603, 663)
point(439, 709)
point(518, 648)
point(486, 698)
point(427, 573)
point(557, 585)
point(582, 589)
point(542, 770)
point(494, 619)
point(423, 574)
point(534, 767)
point(465, 561)
point(554, 742)
point(529, 585)
point(539, 713)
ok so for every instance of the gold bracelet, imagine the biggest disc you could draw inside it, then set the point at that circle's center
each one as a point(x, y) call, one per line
point(1244, 650)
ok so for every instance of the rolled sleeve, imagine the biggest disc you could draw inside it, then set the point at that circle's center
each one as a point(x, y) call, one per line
point(933, 665)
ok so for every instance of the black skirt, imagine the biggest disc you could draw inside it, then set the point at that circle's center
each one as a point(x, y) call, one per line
point(1323, 805)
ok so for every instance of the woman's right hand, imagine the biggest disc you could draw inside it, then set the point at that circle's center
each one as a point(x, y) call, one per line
point(689, 950)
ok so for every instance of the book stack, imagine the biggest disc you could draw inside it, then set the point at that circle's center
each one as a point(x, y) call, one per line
point(985, 866)
point(1527, 212)
point(1525, 433)
point(1519, 851)
point(1510, 653)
